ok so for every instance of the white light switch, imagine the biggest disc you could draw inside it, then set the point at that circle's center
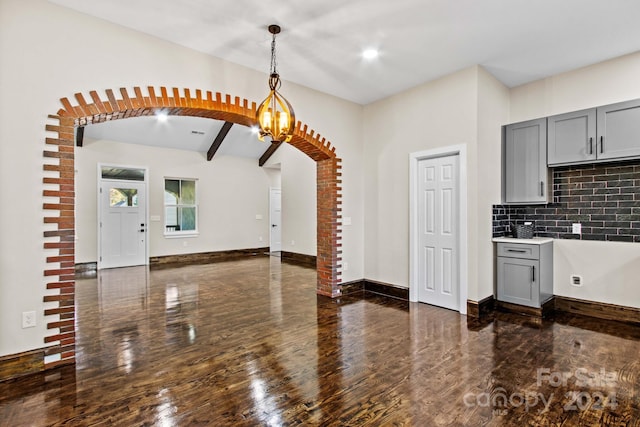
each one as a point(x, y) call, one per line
point(155, 218)
point(346, 220)
point(258, 216)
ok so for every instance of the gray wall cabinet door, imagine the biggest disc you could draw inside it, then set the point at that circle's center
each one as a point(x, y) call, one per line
point(525, 162)
point(571, 137)
point(518, 281)
point(619, 130)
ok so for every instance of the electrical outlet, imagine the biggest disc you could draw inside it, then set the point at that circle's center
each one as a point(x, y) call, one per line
point(345, 265)
point(575, 280)
point(293, 243)
point(28, 319)
point(576, 228)
point(185, 243)
point(260, 239)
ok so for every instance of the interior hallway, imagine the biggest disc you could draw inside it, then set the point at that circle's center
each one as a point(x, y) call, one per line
point(248, 342)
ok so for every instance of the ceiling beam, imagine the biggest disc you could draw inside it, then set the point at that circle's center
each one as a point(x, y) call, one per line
point(218, 141)
point(79, 136)
point(272, 149)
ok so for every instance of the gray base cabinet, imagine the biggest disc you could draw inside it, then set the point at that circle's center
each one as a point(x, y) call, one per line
point(525, 273)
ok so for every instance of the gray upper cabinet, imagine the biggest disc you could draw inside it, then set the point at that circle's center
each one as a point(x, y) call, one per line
point(611, 132)
point(524, 178)
point(572, 137)
point(619, 130)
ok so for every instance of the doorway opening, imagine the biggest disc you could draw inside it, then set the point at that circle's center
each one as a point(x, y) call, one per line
point(275, 221)
point(122, 217)
point(58, 165)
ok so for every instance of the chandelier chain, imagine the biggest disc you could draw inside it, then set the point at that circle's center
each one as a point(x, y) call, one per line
point(274, 62)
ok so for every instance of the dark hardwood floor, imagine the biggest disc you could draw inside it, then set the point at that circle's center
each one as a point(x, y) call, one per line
point(248, 343)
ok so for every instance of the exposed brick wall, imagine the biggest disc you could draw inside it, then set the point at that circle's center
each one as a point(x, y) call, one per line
point(59, 161)
point(604, 198)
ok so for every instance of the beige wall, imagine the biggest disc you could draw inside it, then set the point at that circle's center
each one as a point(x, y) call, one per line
point(49, 52)
point(231, 192)
point(610, 269)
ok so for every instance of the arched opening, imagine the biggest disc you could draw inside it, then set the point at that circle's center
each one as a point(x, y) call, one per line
point(59, 184)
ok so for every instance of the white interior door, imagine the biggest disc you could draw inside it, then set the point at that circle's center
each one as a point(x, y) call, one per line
point(122, 224)
point(275, 218)
point(438, 219)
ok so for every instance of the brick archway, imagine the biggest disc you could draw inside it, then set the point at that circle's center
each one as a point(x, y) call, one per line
point(59, 188)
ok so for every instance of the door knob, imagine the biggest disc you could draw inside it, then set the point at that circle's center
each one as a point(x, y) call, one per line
point(274, 225)
point(142, 230)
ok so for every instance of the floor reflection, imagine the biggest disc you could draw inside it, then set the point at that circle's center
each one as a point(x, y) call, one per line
point(248, 343)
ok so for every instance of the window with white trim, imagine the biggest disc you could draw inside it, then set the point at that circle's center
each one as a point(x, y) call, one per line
point(180, 206)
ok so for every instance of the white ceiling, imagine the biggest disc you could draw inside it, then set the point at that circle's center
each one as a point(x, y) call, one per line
point(518, 41)
point(179, 132)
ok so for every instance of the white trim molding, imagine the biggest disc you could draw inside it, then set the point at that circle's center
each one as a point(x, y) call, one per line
point(463, 263)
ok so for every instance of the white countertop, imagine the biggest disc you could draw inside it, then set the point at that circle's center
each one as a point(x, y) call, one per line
point(532, 241)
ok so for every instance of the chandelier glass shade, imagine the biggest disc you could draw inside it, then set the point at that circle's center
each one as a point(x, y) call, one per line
point(275, 115)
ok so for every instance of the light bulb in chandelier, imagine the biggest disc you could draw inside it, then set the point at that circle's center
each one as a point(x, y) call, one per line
point(275, 115)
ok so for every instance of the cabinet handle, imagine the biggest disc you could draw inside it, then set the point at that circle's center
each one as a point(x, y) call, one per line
point(533, 273)
point(601, 144)
point(542, 188)
point(520, 251)
point(591, 145)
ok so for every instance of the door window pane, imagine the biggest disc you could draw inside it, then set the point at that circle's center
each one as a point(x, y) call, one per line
point(123, 197)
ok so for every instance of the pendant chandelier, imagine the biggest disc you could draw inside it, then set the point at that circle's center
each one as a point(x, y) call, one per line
point(275, 115)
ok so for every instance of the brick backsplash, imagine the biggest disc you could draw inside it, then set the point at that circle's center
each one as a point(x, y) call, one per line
point(604, 198)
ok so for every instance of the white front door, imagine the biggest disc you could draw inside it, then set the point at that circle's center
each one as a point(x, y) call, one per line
point(275, 218)
point(438, 219)
point(122, 224)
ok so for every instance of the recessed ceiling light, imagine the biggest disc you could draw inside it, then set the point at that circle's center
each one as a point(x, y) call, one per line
point(370, 53)
point(162, 117)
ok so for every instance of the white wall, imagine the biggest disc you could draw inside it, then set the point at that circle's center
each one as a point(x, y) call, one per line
point(231, 191)
point(49, 52)
point(599, 84)
point(436, 114)
point(493, 112)
point(467, 107)
point(298, 184)
point(610, 269)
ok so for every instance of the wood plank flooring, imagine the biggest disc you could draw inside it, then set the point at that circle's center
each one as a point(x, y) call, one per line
point(248, 343)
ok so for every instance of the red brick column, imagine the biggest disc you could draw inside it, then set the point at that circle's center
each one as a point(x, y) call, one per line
point(329, 253)
point(60, 274)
